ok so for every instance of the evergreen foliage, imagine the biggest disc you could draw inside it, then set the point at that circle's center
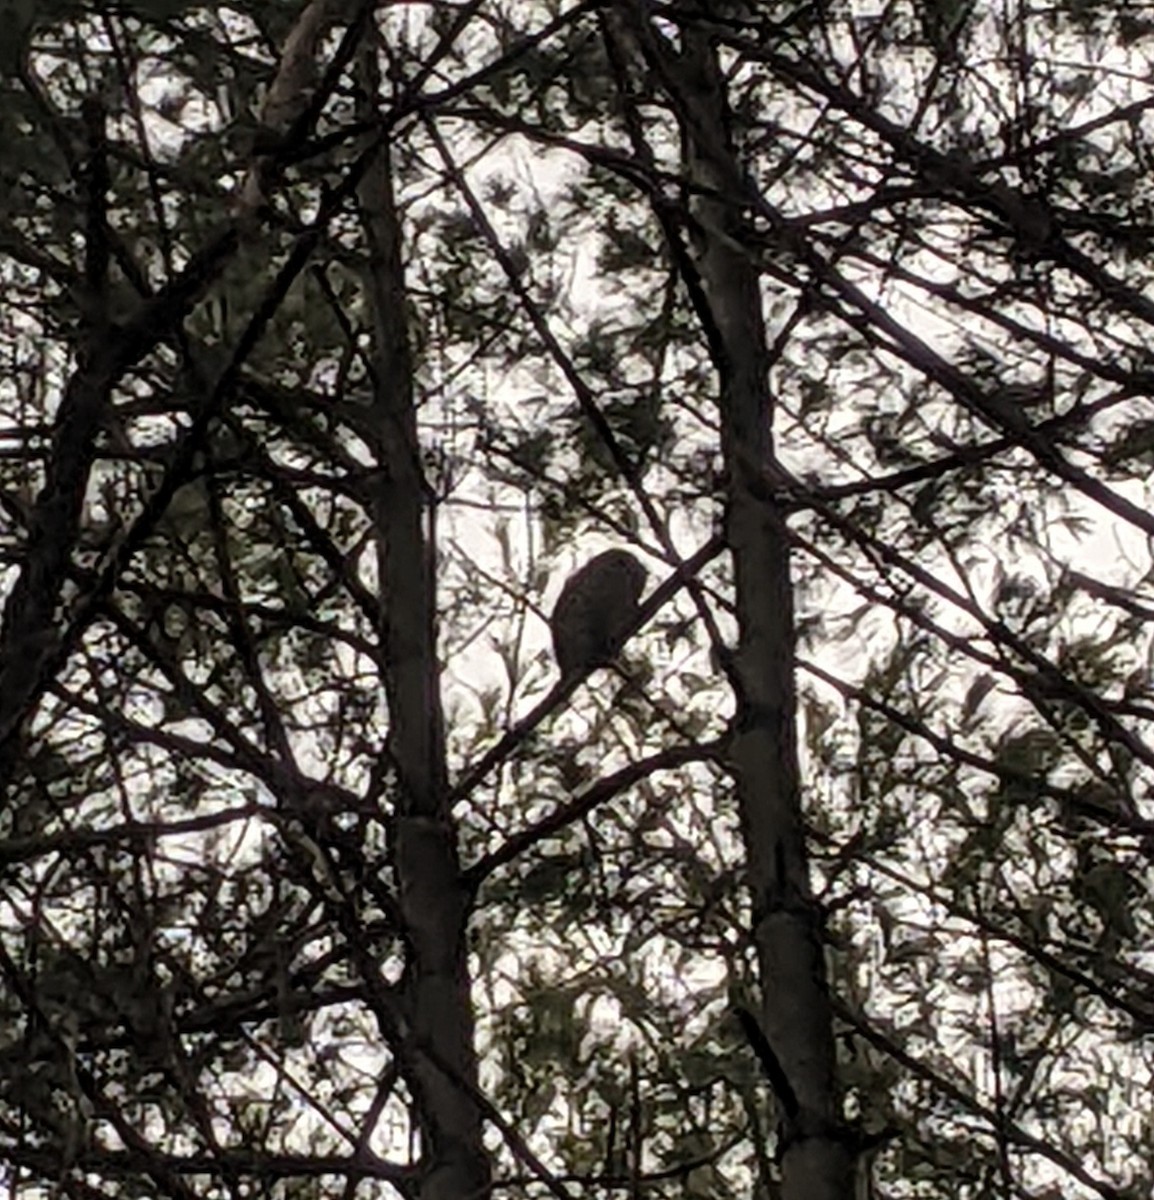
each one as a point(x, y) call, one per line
point(221, 415)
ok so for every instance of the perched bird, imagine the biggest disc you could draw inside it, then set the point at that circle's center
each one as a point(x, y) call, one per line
point(594, 611)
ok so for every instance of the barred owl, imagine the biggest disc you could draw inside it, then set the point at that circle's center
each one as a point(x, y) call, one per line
point(594, 611)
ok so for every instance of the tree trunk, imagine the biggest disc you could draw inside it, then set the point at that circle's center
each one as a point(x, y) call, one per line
point(438, 1055)
point(796, 1015)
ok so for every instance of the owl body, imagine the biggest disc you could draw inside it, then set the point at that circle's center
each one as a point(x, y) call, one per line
point(594, 611)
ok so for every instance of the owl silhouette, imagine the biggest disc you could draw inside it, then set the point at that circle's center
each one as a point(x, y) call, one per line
point(594, 611)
